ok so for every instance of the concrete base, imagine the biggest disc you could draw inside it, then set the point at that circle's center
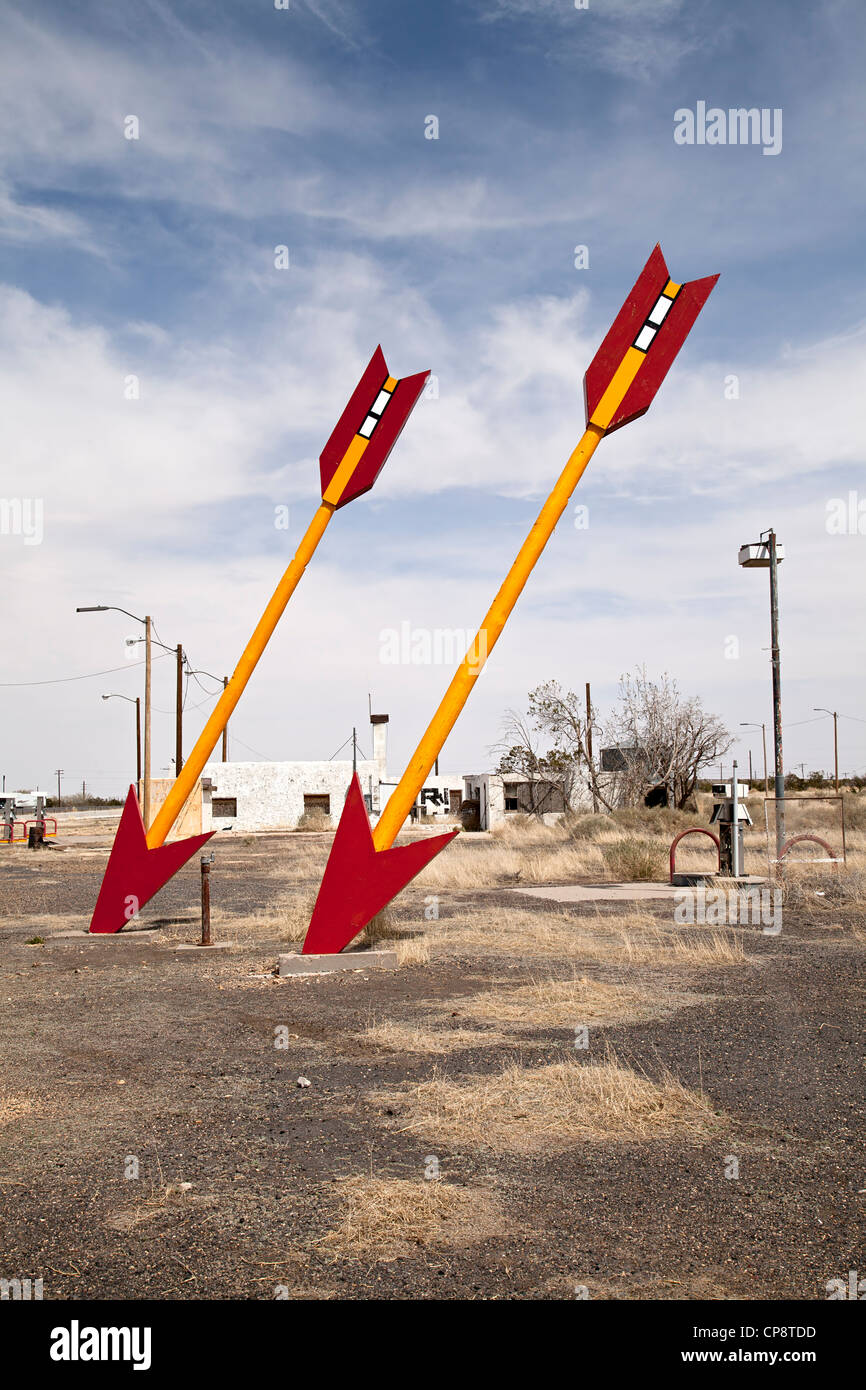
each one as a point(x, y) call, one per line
point(296, 964)
point(195, 946)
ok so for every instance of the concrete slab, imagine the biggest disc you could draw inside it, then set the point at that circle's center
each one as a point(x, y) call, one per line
point(296, 964)
point(600, 892)
point(623, 892)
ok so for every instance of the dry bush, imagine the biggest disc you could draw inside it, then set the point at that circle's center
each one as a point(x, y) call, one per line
point(586, 827)
point(409, 1037)
point(384, 1218)
point(566, 1003)
point(551, 1108)
point(635, 860)
point(315, 819)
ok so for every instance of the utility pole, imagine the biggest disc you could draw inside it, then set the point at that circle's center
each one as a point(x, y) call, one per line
point(354, 751)
point(58, 774)
point(750, 769)
point(178, 734)
point(589, 748)
point(226, 729)
point(145, 810)
point(819, 709)
point(777, 696)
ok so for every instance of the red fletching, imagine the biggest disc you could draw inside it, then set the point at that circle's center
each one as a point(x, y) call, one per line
point(666, 343)
point(384, 435)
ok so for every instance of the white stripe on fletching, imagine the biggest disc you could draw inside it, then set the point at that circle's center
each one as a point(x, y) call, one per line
point(660, 309)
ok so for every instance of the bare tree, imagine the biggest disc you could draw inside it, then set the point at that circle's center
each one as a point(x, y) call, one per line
point(557, 718)
point(663, 738)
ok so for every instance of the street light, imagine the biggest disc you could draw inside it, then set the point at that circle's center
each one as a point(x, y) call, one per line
point(819, 709)
point(767, 554)
point(763, 728)
point(137, 703)
point(148, 624)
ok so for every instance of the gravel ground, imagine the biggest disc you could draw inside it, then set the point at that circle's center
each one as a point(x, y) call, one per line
point(121, 1056)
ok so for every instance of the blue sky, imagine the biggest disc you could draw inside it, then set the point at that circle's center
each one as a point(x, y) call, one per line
point(306, 127)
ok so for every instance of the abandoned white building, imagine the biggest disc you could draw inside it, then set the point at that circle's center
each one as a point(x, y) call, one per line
point(274, 796)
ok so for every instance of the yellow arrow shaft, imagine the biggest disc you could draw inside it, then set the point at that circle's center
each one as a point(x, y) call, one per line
point(207, 740)
point(402, 799)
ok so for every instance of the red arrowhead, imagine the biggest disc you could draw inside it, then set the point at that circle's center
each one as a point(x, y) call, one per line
point(134, 872)
point(359, 880)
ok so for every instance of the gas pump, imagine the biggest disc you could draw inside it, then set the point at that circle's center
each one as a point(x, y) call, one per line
point(731, 817)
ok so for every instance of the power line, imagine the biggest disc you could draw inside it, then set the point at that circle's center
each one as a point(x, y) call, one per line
point(64, 680)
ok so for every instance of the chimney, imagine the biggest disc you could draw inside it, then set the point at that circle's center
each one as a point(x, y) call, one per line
point(380, 743)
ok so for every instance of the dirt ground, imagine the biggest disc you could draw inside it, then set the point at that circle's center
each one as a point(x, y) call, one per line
point(456, 1139)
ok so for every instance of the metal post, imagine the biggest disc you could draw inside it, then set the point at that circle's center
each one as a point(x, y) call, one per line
point(751, 777)
point(735, 838)
point(589, 749)
point(226, 729)
point(354, 752)
point(145, 810)
point(777, 697)
point(178, 733)
point(205, 900)
point(766, 778)
point(836, 749)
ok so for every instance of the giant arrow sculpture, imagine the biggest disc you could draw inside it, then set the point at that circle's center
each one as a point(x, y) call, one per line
point(140, 862)
point(363, 872)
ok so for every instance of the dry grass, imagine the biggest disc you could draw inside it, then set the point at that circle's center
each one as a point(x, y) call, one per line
point(286, 919)
point(635, 938)
point(410, 1037)
point(384, 1218)
point(14, 1107)
point(567, 1003)
point(413, 951)
point(551, 1108)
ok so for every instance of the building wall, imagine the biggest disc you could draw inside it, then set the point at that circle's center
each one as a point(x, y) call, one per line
point(435, 795)
point(489, 789)
point(270, 796)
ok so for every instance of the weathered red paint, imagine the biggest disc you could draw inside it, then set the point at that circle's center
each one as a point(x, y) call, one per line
point(359, 880)
point(134, 872)
point(385, 435)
